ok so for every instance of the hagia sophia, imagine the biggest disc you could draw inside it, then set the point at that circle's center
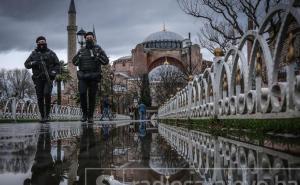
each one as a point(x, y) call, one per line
point(164, 47)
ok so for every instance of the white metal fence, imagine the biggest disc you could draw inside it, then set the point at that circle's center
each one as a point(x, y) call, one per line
point(267, 84)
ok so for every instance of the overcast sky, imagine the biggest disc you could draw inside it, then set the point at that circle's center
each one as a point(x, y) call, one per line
point(119, 24)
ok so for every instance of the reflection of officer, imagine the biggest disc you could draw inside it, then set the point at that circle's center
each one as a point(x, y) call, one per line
point(145, 148)
point(89, 60)
point(43, 166)
point(88, 156)
point(45, 65)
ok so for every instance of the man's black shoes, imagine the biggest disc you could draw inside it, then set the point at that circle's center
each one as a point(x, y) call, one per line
point(83, 119)
point(45, 119)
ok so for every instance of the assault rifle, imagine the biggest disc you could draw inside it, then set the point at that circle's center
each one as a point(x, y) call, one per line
point(44, 68)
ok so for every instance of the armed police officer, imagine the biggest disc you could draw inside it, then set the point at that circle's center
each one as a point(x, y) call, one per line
point(45, 65)
point(89, 60)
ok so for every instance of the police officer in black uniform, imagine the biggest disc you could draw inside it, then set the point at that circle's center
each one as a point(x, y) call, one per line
point(45, 65)
point(89, 60)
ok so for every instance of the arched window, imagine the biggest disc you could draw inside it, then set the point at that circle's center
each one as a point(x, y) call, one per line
point(169, 44)
point(173, 45)
point(152, 45)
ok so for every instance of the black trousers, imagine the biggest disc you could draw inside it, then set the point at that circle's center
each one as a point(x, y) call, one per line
point(88, 91)
point(43, 92)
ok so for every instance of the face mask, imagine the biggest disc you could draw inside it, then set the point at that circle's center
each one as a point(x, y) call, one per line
point(42, 47)
point(89, 43)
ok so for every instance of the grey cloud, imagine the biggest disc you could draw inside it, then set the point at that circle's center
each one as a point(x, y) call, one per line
point(119, 24)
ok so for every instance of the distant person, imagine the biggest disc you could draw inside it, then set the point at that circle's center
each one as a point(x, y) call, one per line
point(45, 66)
point(142, 111)
point(105, 112)
point(89, 60)
point(131, 112)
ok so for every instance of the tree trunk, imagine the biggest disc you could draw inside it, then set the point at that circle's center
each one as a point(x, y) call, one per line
point(59, 92)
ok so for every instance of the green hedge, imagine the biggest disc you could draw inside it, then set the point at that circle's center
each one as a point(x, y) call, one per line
point(252, 130)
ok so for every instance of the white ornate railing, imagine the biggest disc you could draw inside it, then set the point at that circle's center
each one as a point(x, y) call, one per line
point(265, 85)
point(18, 109)
point(226, 161)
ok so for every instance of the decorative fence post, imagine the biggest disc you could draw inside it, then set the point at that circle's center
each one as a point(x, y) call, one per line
point(266, 84)
point(14, 108)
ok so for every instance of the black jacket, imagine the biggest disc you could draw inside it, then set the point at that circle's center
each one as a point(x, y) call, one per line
point(89, 62)
point(34, 62)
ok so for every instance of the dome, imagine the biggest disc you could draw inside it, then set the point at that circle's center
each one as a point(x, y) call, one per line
point(164, 36)
point(163, 40)
point(125, 58)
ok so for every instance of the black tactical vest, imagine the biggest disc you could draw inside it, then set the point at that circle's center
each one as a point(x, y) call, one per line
point(88, 63)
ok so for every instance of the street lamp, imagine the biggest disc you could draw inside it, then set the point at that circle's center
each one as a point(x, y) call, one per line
point(80, 37)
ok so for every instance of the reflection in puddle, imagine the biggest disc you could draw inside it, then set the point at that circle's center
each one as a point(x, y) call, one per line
point(131, 153)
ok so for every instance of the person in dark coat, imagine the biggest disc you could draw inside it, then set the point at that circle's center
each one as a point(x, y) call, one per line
point(142, 111)
point(106, 111)
point(89, 60)
point(45, 66)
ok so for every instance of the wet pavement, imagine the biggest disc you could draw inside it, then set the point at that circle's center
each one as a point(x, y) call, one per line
point(122, 152)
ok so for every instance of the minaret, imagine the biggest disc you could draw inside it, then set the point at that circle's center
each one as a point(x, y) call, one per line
point(72, 49)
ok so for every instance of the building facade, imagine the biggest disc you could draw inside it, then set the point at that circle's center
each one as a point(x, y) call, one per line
point(155, 50)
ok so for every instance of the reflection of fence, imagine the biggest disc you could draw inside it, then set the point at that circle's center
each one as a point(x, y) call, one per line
point(218, 159)
point(267, 85)
point(18, 142)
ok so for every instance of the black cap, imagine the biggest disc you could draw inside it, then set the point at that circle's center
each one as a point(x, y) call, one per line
point(89, 33)
point(40, 38)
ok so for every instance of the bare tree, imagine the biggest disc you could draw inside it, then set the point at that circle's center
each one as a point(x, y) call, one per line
point(18, 83)
point(135, 84)
point(166, 82)
point(4, 90)
point(225, 21)
point(210, 39)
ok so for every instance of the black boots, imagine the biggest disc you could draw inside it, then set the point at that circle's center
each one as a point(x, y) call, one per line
point(47, 118)
point(83, 118)
point(91, 120)
point(44, 119)
point(87, 117)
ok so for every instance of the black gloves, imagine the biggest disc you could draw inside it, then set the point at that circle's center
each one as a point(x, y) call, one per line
point(35, 63)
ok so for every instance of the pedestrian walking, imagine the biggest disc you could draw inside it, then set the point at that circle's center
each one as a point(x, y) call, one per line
point(89, 60)
point(45, 66)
